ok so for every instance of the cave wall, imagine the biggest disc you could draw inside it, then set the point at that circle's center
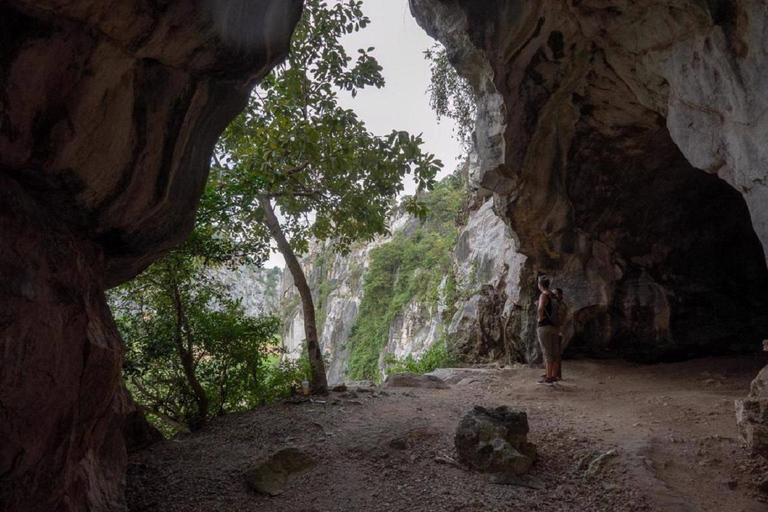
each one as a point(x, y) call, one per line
point(622, 142)
point(108, 115)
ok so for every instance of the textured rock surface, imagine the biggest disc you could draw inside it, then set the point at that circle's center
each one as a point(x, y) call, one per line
point(752, 415)
point(414, 380)
point(495, 441)
point(110, 110)
point(490, 273)
point(336, 284)
point(337, 287)
point(108, 115)
point(485, 320)
point(620, 141)
point(61, 400)
point(257, 289)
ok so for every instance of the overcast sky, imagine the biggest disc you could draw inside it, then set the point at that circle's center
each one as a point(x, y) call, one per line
point(403, 104)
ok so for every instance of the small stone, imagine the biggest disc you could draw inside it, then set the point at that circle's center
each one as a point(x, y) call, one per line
point(598, 463)
point(763, 486)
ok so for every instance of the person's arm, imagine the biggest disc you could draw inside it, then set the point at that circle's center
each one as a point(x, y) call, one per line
point(542, 304)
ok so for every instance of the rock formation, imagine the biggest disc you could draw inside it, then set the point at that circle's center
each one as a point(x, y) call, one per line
point(495, 441)
point(620, 141)
point(752, 414)
point(481, 318)
point(257, 289)
point(108, 115)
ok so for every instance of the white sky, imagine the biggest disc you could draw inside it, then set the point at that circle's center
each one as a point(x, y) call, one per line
point(403, 104)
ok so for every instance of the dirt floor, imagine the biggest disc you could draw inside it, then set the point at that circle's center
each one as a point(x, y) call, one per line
point(672, 428)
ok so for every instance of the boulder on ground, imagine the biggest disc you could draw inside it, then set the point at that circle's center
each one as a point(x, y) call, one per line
point(752, 415)
point(414, 380)
point(271, 474)
point(455, 375)
point(353, 384)
point(495, 441)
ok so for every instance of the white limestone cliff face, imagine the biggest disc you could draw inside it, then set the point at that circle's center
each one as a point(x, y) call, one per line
point(490, 274)
point(415, 330)
point(476, 322)
point(336, 283)
point(257, 289)
point(718, 108)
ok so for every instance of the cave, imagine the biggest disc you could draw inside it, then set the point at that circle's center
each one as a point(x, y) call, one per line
point(600, 136)
point(686, 261)
point(593, 136)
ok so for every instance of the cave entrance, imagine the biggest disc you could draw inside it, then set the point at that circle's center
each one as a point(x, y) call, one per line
point(692, 269)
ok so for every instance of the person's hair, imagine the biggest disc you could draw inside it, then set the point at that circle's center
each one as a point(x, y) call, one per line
point(544, 282)
point(559, 290)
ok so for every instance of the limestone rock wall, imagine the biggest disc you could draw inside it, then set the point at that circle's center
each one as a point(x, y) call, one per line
point(257, 289)
point(337, 289)
point(620, 142)
point(483, 317)
point(489, 275)
point(336, 283)
point(109, 111)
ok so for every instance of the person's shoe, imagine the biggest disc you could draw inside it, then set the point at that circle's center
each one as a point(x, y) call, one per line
point(546, 382)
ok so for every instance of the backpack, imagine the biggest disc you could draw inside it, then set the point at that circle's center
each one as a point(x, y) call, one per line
point(558, 311)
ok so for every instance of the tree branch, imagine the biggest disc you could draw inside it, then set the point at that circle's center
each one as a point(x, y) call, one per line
point(165, 418)
point(299, 193)
point(297, 169)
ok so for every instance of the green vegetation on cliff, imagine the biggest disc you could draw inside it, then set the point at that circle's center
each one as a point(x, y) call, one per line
point(409, 267)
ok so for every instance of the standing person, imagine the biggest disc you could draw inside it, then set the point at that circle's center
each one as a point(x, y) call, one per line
point(548, 333)
point(559, 297)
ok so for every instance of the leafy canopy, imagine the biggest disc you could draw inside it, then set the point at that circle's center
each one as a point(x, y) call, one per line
point(330, 177)
point(176, 304)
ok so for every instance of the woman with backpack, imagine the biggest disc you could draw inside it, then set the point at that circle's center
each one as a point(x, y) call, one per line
point(549, 321)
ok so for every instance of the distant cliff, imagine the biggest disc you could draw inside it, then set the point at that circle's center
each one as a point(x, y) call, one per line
point(452, 281)
point(256, 288)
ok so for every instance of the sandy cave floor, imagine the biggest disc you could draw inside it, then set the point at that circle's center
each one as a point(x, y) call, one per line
point(672, 425)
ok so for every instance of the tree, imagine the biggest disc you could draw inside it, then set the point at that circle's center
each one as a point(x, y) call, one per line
point(451, 96)
point(301, 166)
point(191, 351)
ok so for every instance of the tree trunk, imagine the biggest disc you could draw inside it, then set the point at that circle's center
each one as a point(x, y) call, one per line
point(188, 363)
point(319, 382)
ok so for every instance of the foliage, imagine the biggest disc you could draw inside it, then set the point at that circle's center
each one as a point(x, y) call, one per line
point(294, 145)
point(451, 96)
point(329, 176)
point(175, 307)
point(438, 355)
point(409, 267)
